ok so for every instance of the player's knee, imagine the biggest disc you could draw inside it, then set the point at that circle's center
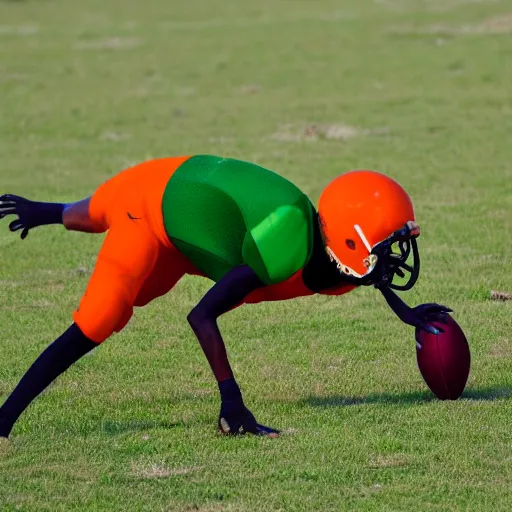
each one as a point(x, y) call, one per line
point(199, 317)
point(99, 320)
point(193, 318)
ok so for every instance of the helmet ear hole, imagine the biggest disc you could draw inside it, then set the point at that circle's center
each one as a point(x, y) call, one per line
point(350, 244)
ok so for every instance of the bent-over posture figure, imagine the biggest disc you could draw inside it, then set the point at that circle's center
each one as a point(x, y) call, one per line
point(250, 231)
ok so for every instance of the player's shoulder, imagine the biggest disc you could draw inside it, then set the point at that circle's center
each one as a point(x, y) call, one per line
point(235, 168)
point(281, 243)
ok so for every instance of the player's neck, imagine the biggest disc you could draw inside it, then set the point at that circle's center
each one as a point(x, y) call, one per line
point(320, 273)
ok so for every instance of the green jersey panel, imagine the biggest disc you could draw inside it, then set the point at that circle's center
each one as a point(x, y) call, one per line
point(221, 213)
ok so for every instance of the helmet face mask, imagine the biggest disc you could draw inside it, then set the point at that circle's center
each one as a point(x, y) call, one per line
point(388, 260)
point(393, 256)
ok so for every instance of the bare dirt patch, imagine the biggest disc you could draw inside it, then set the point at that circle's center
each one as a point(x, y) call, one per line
point(500, 296)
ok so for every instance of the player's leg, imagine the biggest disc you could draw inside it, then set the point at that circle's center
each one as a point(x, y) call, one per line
point(57, 358)
point(126, 259)
point(133, 267)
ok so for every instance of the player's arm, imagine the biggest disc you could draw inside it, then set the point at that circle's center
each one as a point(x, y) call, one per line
point(227, 293)
point(420, 316)
point(30, 214)
point(57, 358)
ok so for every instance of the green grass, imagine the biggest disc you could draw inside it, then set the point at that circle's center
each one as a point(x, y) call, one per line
point(418, 89)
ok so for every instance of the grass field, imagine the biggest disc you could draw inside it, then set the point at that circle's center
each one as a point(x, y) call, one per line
point(418, 89)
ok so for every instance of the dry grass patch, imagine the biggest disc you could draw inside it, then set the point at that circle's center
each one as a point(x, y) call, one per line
point(497, 25)
point(113, 136)
point(20, 30)
point(501, 24)
point(427, 5)
point(5, 446)
point(112, 43)
point(249, 89)
point(7, 283)
point(160, 470)
point(389, 461)
point(314, 132)
point(501, 349)
point(500, 296)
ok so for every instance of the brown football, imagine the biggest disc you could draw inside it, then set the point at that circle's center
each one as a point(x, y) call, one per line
point(444, 359)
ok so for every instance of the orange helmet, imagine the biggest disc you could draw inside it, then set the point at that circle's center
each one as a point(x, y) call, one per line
point(362, 214)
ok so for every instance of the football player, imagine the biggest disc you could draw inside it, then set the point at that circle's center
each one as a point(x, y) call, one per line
point(252, 232)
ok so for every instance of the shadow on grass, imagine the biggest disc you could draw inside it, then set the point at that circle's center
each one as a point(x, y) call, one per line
point(490, 394)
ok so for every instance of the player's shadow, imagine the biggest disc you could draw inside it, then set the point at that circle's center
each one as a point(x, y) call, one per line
point(490, 394)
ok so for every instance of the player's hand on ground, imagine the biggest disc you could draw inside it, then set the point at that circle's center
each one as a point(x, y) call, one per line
point(425, 314)
point(236, 419)
point(26, 211)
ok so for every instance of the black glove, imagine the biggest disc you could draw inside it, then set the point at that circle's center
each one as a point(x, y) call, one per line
point(30, 213)
point(418, 317)
point(234, 417)
point(424, 314)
